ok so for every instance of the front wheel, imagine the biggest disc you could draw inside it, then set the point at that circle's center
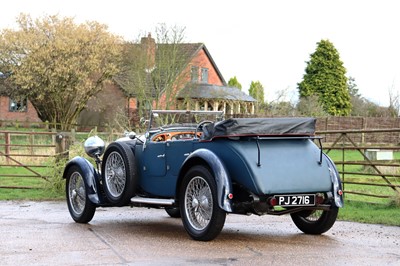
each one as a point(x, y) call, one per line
point(315, 222)
point(80, 207)
point(202, 218)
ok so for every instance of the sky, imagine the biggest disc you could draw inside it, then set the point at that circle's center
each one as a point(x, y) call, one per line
point(268, 41)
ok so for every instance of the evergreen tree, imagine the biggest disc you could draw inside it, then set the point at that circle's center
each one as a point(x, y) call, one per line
point(325, 77)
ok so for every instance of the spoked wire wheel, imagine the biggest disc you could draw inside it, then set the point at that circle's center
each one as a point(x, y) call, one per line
point(115, 174)
point(202, 217)
point(79, 205)
point(199, 203)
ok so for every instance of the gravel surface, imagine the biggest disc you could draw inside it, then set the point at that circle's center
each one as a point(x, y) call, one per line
point(43, 233)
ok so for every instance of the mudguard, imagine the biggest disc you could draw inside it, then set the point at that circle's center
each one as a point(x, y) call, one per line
point(336, 183)
point(224, 185)
point(90, 176)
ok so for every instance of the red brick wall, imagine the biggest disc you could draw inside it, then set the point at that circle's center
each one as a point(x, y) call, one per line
point(5, 114)
point(201, 60)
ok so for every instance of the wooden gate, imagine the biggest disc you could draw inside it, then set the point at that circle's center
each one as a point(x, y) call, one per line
point(365, 171)
point(26, 155)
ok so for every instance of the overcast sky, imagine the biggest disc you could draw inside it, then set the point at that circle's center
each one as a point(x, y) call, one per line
point(257, 40)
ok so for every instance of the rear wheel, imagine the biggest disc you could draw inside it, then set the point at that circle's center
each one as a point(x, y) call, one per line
point(173, 212)
point(315, 222)
point(80, 207)
point(119, 173)
point(202, 218)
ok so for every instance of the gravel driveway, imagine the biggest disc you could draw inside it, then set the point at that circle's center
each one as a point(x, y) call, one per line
point(43, 233)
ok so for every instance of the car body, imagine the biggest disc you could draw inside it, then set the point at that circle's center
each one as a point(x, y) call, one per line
point(200, 171)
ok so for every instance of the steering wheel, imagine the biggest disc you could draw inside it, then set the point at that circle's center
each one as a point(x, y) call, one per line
point(201, 125)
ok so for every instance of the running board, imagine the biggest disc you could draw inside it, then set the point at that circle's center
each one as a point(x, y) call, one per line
point(155, 201)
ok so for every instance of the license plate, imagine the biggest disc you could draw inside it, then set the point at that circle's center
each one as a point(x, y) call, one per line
point(296, 200)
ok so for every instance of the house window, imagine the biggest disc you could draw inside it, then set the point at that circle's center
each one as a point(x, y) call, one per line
point(20, 105)
point(204, 75)
point(194, 74)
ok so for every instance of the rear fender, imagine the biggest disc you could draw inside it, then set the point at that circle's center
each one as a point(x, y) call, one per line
point(224, 185)
point(336, 183)
point(90, 176)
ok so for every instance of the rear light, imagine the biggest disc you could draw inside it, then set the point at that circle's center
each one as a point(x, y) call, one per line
point(230, 196)
point(319, 199)
point(340, 192)
point(272, 202)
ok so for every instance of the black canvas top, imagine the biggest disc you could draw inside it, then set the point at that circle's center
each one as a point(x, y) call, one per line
point(261, 127)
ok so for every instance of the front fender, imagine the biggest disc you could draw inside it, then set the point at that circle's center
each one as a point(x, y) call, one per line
point(224, 185)
point(90, 176)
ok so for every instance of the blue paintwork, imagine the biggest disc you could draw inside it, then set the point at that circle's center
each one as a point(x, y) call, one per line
point(90, 176)
point(219, 172)
point(287, 166)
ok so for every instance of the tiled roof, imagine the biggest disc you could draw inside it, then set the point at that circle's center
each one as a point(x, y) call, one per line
point(210, 91)
point(129, 83)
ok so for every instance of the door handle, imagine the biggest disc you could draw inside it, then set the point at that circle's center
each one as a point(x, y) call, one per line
point(161, 156)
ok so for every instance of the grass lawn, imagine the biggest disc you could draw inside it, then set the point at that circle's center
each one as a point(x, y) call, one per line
point(370, 213)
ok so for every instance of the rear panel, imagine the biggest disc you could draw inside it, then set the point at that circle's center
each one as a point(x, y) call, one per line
point(287, 165)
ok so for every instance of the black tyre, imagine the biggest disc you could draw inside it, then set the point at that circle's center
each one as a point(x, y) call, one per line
point(173, 212)
point(80, 207)
point(315, 222)
point(202, 218)
point(119, 173)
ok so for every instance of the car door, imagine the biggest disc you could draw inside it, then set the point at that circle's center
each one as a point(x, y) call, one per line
point(176, 152)
point(154, 164)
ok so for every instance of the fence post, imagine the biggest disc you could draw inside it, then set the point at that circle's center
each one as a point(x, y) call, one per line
point(73, 135)
point(7, 148)
point(62, 147)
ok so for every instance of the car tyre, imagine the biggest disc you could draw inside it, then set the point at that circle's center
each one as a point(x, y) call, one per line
point(119, 173)
point(315, 222)
point(80, 207)
point(202, 218)
point(173, 212)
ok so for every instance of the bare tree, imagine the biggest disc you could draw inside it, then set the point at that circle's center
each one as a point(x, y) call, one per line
point(153, 69)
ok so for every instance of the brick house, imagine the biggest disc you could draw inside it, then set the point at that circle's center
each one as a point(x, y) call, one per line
point(199, 85)
point(12, 110)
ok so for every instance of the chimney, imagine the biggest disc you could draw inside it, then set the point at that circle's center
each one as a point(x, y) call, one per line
point(149, 47)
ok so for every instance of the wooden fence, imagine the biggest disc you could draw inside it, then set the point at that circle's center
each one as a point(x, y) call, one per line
point(31, 151)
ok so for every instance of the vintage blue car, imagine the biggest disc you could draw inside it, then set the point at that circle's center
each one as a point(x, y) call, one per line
point(200, 170)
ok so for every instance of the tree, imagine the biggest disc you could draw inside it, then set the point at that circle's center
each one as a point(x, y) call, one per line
point(234, 83)
point(325, 78)
point(153, 70)
point(310, 106)
point(57, 64)
point(256, 91)
point(366, 108)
